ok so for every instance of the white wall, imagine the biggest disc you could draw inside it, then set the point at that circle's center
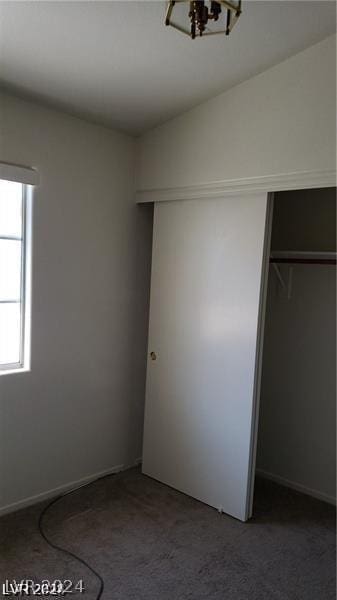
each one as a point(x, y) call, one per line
point(297, 426)
point(80, 409)
point(280, 121)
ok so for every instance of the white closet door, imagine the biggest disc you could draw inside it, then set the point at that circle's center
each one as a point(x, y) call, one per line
point(205, 294)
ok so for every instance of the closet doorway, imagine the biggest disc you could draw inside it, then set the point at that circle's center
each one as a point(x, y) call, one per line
point(296, 444)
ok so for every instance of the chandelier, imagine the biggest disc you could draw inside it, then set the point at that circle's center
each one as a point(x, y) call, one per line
point(200, 18)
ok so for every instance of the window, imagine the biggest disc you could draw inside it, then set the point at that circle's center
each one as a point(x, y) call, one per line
point(14, 274)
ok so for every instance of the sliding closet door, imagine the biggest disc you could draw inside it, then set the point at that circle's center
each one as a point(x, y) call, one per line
point(205, 295)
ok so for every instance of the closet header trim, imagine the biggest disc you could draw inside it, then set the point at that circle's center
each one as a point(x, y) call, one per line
point(268, 183)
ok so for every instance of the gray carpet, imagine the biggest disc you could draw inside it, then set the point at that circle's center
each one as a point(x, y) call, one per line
point(150, 542)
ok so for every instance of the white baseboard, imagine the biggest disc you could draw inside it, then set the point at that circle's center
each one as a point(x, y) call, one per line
point(296, 486)
point(72, 485)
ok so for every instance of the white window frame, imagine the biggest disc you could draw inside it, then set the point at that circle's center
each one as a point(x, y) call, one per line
point(23, 365)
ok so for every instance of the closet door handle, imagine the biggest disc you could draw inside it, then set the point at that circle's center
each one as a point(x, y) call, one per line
point(153, 356)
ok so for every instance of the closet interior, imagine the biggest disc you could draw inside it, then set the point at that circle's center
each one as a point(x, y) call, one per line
point(297, 414)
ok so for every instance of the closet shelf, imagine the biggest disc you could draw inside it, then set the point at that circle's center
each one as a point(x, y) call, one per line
point(306, 258)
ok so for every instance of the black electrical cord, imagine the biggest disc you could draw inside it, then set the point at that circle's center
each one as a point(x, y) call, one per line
point(64, 550)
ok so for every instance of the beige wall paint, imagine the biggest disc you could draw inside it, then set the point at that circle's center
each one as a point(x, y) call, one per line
point(280, 121)
point(80, 409)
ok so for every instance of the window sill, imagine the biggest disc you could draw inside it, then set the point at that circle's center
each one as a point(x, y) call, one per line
point(14, 371)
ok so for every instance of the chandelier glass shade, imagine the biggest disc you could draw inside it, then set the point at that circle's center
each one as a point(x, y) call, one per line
point(201, 18)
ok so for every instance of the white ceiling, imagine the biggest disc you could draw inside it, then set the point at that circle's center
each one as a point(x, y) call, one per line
point(116, 63)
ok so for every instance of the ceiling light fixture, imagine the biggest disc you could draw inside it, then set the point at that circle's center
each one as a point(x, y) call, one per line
point(201, 18)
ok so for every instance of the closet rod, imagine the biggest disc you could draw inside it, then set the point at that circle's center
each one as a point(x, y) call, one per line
point(305, 261)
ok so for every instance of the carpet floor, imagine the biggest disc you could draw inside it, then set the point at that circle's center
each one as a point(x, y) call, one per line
point(149, 542)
